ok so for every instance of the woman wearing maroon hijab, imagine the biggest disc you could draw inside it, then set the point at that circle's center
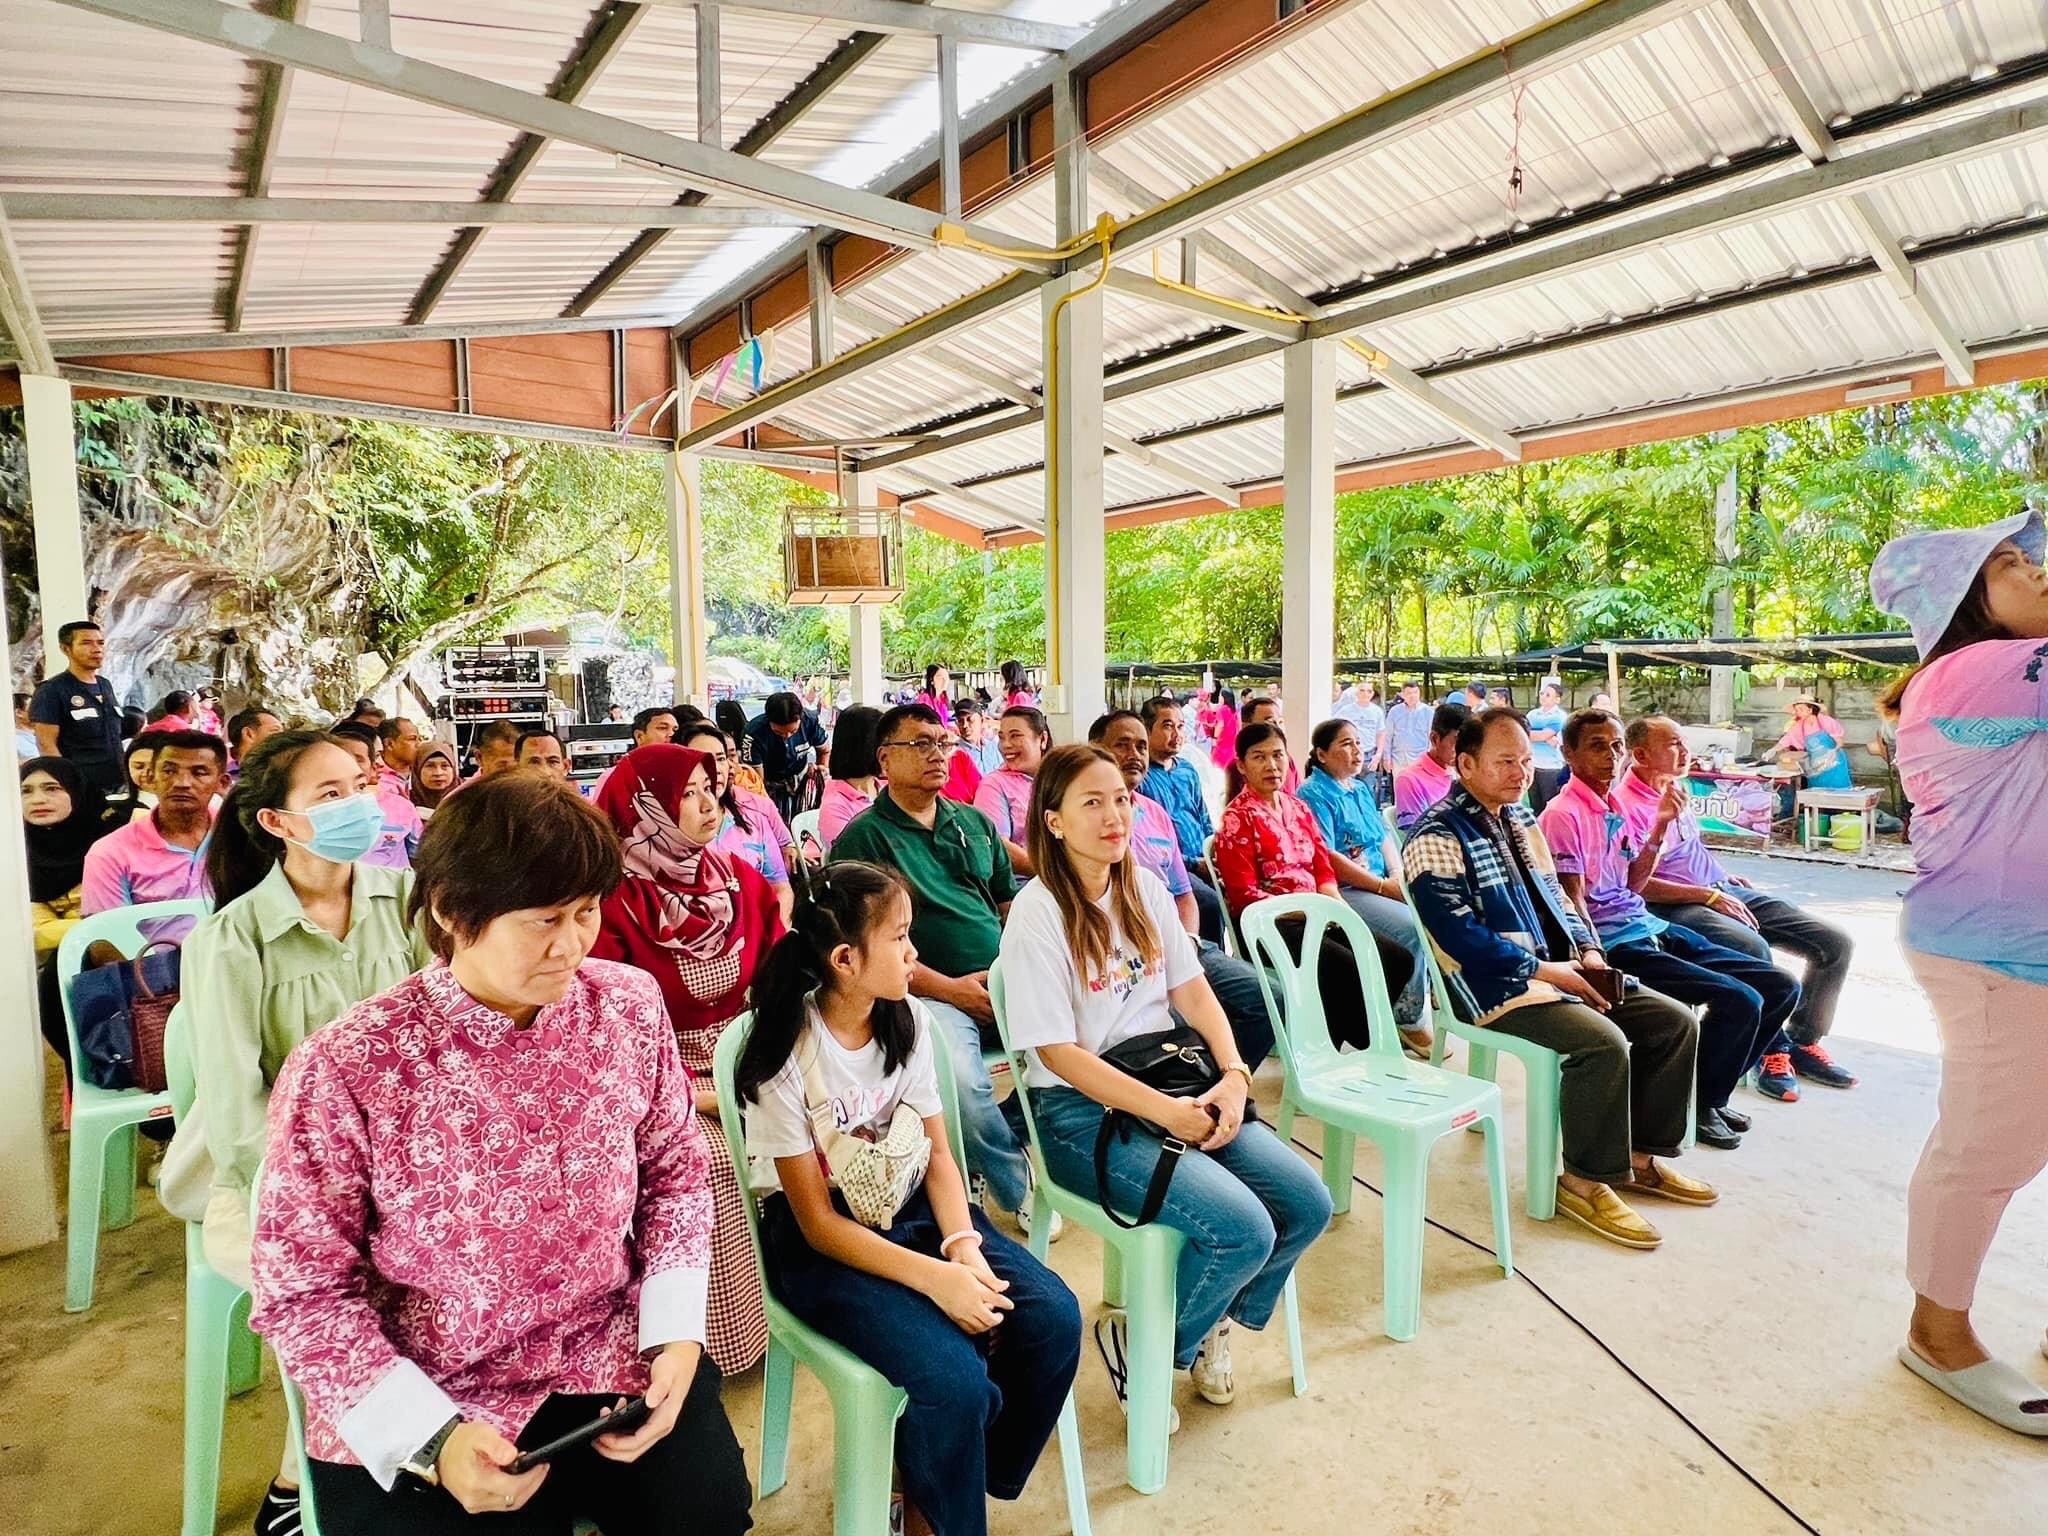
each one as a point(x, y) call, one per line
point(700, 924)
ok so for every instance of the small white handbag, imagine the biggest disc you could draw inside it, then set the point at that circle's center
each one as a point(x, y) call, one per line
point(876, 1177)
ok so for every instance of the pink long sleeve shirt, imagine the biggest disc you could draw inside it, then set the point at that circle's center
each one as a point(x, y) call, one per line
point(460, 1216)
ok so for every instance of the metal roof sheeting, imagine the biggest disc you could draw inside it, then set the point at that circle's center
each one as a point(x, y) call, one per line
point(94, 105)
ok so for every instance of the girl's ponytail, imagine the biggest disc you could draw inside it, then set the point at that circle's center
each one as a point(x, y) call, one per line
point(846, 902)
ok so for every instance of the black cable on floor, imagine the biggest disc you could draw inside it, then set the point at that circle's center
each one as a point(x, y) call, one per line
point(1605, 1348)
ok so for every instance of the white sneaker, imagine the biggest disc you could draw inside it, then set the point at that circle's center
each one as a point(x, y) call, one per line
point(1052, 1234)
point(1211, 1371)
point(1111, 1336)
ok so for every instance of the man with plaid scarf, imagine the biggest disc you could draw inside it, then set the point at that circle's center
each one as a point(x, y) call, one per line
point(1517, 958)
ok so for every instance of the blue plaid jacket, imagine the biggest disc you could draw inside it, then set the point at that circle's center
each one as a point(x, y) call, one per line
point(1490, 927)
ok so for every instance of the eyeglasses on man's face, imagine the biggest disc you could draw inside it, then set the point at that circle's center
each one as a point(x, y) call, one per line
point(923, 746)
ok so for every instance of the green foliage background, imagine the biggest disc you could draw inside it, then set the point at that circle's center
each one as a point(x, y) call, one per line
point(401, 540)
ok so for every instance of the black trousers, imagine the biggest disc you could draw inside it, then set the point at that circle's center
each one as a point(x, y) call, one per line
point(692, 1482)
point(1337, 978)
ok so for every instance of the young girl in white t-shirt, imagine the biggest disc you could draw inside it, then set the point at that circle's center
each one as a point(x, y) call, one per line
point(1094, 954)
point(983, 1338)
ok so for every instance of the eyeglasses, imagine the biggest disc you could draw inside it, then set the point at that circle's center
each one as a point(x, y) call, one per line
point(923, 746)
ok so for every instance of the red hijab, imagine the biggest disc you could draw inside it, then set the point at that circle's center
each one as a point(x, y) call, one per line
point(678, 899)
point(676, 894)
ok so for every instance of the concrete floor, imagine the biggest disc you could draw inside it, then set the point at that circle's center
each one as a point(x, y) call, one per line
point(1770, 1322)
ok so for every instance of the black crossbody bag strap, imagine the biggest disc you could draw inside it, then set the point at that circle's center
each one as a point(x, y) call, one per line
point(1117, 1123)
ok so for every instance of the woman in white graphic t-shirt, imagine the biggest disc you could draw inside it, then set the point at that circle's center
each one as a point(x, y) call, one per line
point(1094, 954)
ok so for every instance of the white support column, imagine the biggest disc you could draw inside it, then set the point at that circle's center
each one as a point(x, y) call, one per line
point(1308, 618)
point(53, 497)
point(863, 620)
point(1727, 549)
point(1076, 583)
point(682, 488)
point(28, 1208)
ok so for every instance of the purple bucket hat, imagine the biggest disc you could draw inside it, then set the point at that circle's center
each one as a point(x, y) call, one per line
point(1923, 577)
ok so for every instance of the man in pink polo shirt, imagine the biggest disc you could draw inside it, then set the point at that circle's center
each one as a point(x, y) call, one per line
point(1004, 796)
point(1428, 779)
point(162, 857)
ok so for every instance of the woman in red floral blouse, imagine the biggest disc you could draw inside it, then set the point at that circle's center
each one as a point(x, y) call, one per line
point(484, 1216)
point(1269, 845)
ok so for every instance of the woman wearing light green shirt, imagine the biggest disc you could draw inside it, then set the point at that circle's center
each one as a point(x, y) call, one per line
point(300, 935)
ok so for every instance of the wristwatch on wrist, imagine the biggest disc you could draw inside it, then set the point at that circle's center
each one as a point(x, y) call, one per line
point(1239, 1066)
point(425, 1463)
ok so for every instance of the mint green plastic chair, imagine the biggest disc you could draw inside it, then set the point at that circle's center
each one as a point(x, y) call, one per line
point(1139, 1266)
point(221, 1355)
point(804, 828)
point(865, 1405)
point(103, 1120)
point(1404, 1106)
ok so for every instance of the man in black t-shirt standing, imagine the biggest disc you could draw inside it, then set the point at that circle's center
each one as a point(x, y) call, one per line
point(789, 749)
point(75, 713)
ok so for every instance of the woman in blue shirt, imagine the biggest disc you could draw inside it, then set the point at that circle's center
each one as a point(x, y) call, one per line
point(1341, 800)
point(1546, 734)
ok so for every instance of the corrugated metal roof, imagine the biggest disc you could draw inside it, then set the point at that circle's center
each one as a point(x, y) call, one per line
point(93, 105)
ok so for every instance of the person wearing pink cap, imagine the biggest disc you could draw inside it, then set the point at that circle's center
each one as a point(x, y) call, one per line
point(1973, 754)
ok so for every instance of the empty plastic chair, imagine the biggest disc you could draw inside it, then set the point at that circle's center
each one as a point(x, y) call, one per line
point(1404, 1106)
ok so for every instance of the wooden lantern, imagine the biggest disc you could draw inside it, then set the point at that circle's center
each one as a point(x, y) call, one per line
point(842, 554)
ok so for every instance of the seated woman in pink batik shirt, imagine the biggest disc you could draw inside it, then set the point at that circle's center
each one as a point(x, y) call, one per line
point(484, 1216)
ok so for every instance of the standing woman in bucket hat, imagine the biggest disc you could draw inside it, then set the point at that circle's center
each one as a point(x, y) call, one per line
point(1973, 754)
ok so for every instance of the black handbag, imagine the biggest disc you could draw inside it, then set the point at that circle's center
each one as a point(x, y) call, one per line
point(1179, 1063)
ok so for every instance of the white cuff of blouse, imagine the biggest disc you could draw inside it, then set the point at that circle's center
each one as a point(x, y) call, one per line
point(673, 1306)
point(394, 1419)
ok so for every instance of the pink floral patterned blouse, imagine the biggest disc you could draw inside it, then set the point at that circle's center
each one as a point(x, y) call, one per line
point(458, 1215)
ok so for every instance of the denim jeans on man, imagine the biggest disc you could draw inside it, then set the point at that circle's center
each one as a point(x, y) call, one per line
point(1824, 947)
point(1247, 1212)
point(1746, 1000)
point(994, 1133)
point(1237, 990)
point(981, 1406)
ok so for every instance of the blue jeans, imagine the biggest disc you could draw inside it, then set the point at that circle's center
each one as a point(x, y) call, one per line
point(1746, 999)
point(1824, 947)
point(994, 1132)
point(1236, 986)
point(1248, 1211)
point(1395, 930)
point(981, 1406)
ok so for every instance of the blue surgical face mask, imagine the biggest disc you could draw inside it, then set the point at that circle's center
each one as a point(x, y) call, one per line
point(343, 830)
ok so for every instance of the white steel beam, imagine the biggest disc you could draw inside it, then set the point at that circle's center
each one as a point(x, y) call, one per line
point(824, 311)
point(1402, 380)
point(1576, 34)
point(1308, 611)
point(1138, 286)
point(682, 490)
point(336, 336)
point(52, 445)
point(273, 96)
point(965, 367)
point(601, 43)
point(968, 497)
point(1903, 278)
point(1819, 145)
point(949, 128)
point(924, 21)
point(701, 165)
point(1742, 205)
point(934, 327)
point(159, 208)
point(1076, 559)
point(18, 316)
point(710, 83)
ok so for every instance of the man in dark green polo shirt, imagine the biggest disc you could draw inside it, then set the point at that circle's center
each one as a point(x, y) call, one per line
point(960, 885)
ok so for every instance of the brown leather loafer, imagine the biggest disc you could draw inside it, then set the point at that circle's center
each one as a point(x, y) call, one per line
point(1669, 1184)
point(1608, 1215)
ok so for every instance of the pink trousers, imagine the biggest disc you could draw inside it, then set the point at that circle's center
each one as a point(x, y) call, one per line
point(1990, 1138)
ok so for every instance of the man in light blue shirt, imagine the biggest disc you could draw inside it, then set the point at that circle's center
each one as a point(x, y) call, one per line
point(976, 739)
point(1359, 707)
point(1406, 736)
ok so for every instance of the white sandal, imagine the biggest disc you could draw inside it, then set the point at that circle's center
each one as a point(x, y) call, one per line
point(1992, 1388)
